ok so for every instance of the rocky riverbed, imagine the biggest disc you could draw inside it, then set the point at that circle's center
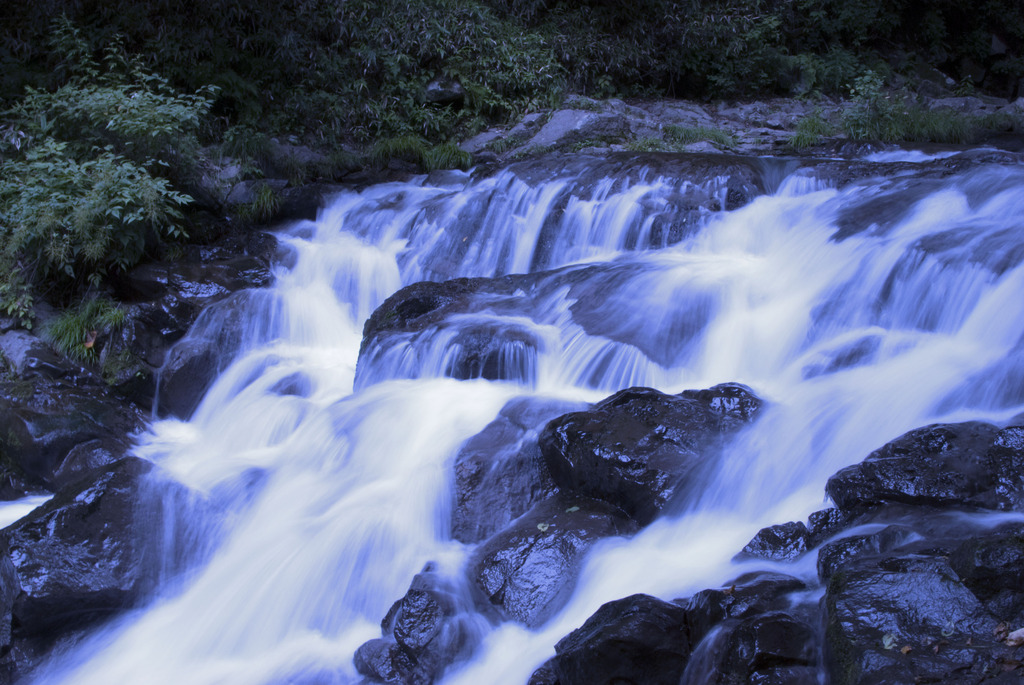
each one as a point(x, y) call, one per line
point(917, 559)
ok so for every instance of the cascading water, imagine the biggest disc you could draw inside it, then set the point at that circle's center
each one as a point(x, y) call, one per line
point(857, 313)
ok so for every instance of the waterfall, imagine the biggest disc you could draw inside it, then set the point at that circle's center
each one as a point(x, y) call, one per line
point(857, 313)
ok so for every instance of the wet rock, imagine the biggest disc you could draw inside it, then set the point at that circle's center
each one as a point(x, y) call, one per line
point(9, 589)
point(164, 299)
point(833, 556)
point(938, 465)
point(304, 202)
point(79, 557)
point(544, 675)
point(528, 571)
point(188, 373)
point(194, 362)
point(907, 619)
point(826, 523)
point(782, 542)
point(422, 304)
point(500, 473)
point(382, 660)
point(639, 639)
point(29, 357)
point(425, 632)
point(638, 448)
point(769, 647)
point(990, 566)
point(495, 351)
point(456, 328)
point(43, 422)
point(749, 595)
point(569, 126)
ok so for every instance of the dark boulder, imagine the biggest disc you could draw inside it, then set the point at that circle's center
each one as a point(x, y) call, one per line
point(80, 557)
point(214, 341)
point(499, 472)
point(967, 464)
point(504, 351)
point(908, 618)
point(423, 633)
point(767, 647)
point(545, 674)
point(29, 357)
point(638, 639)
point(9, 589)
point(528, 571)
point(781, 542)
point(53, 429)
point(825, 523)
point(422, 304)
point(834, 555)
point(639, 448)
point(458, 320)
point(163, 300)
point(749, 595)
point(990, 565)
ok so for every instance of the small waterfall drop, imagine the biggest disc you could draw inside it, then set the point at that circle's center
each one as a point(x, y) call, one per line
point(854, 322)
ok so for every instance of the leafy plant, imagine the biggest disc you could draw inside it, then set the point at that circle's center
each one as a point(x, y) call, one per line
point(249, 146)
point(263, 207)
point(810, 130)
point(87, 188)
point(877, 114)
point(446, 156)
point(503, 145)
point(76, 332)
point(73, 221)
point(409, 148)
point(685, 135)
point(17, 300)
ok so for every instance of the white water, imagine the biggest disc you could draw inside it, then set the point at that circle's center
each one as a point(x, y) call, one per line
point(338, 498)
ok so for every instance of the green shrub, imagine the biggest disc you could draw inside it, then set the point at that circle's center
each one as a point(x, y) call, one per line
point(116, 104)
point(71, 221)
point(76, 332)
point(685, 135)
point(877, 114)
point(446, 156)
point(810, 130)
point(408, 148)
point(263, 207)
point(86, 183)
point(250, 147)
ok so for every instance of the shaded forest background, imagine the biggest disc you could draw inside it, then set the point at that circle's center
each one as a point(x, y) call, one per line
point(109, 106)
point(339, 69)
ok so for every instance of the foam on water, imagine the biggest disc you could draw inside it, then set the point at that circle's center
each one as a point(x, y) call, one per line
point(348, 493)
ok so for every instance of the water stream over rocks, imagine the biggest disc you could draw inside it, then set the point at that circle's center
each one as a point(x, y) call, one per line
point(342, 468)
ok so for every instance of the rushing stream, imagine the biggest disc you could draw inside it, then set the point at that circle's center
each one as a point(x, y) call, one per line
point(857, 314)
